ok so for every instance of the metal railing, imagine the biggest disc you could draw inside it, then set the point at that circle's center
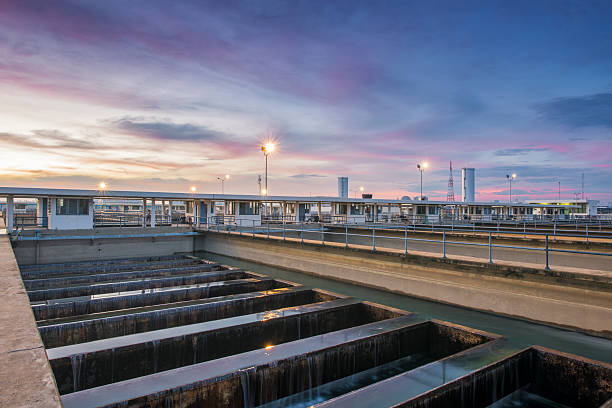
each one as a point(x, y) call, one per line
point(317, 232)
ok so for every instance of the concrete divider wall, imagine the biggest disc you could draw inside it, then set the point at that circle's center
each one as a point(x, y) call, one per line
point(69, 250)
point(563, 300)
point(26, 379)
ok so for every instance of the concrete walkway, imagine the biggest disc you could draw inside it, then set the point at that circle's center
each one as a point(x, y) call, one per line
point(26, 379)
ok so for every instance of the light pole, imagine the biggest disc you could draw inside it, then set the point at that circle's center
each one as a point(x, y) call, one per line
point(510, 178)
point(421, 167)
point(559, 190)
point(360, 189)
point(222, 179)
point(267, 149)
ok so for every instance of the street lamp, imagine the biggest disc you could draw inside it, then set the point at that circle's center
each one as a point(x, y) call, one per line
point(101, 188)
point(267, 149)
point(193, 189)
point(222, 179)
point(421, 167)
point(510, 178)
point(360, 189)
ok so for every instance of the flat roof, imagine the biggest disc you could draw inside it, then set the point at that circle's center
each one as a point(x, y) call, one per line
point(159, 195)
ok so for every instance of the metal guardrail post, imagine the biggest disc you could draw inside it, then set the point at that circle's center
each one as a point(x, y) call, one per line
point(322, 234)
point(283, 228)
point(587, 233)
point(346, 236)
point(373, 239)
point(524, 231)
point(490, 249)
point(406, 240)
point(253, 230)
point(302, 232)
point(444, 244)
point(268, 225)
point(547, 264)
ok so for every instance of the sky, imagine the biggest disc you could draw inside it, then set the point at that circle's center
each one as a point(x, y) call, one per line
point(165, 95)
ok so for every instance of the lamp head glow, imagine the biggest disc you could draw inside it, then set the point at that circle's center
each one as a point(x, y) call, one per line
point(425, 165)
point(193, 189)
point(361, 188)
point(264, 191)
point(227, 176)
point(268, 148)
point(102, 185)
point(513, 175)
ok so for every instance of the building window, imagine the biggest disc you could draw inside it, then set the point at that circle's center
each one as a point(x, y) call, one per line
point(72, 206)
point(249, 208)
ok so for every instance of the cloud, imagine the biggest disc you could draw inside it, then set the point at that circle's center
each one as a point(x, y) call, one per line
point(518, 152)
point(166, 130)
point(581, 111)
point(302, 176)
point(47, 139)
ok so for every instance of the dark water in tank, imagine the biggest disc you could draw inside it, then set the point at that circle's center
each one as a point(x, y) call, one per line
point(522, 398)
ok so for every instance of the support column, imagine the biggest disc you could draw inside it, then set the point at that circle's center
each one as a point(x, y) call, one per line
point(152, 212)
point(170, 212)
point(162, 220)
point(320, 212)
point(144, 212)
point(196, 212)
point(10, 206)
point(41, 212)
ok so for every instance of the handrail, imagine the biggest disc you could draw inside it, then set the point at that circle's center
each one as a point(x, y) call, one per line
point(300, 229)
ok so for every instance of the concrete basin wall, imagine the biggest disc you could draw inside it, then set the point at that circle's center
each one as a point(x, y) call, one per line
point(97, 276)
point(64, 334)
point(574, 300)
point(559, 377)
point(215, 289)
point(278, 372)
point(71, 250)
point(176, 348)
point(140, 284)
point(106, 265)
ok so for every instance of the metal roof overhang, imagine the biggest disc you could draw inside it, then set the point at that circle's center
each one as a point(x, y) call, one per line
point(28, 192)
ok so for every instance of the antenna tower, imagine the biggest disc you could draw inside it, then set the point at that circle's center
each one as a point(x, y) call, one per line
point(450, 196)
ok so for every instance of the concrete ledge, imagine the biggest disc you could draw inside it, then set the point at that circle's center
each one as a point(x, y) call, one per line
point(26, 378)
point(564, 299)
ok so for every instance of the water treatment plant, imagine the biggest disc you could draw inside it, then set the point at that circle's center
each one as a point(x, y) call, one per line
point(245, 301)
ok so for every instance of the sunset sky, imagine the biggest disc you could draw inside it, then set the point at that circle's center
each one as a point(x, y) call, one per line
point(152, 95)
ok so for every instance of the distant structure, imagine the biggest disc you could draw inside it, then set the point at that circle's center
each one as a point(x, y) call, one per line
point(343, 190)
point(468, 184)
point(450, 196)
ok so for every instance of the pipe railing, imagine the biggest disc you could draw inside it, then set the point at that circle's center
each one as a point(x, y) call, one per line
point(316, 233)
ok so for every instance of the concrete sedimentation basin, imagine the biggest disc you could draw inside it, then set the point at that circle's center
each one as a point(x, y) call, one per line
point(170, 329)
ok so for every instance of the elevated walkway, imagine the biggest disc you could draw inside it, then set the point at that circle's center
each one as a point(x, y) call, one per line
point(26, 378)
